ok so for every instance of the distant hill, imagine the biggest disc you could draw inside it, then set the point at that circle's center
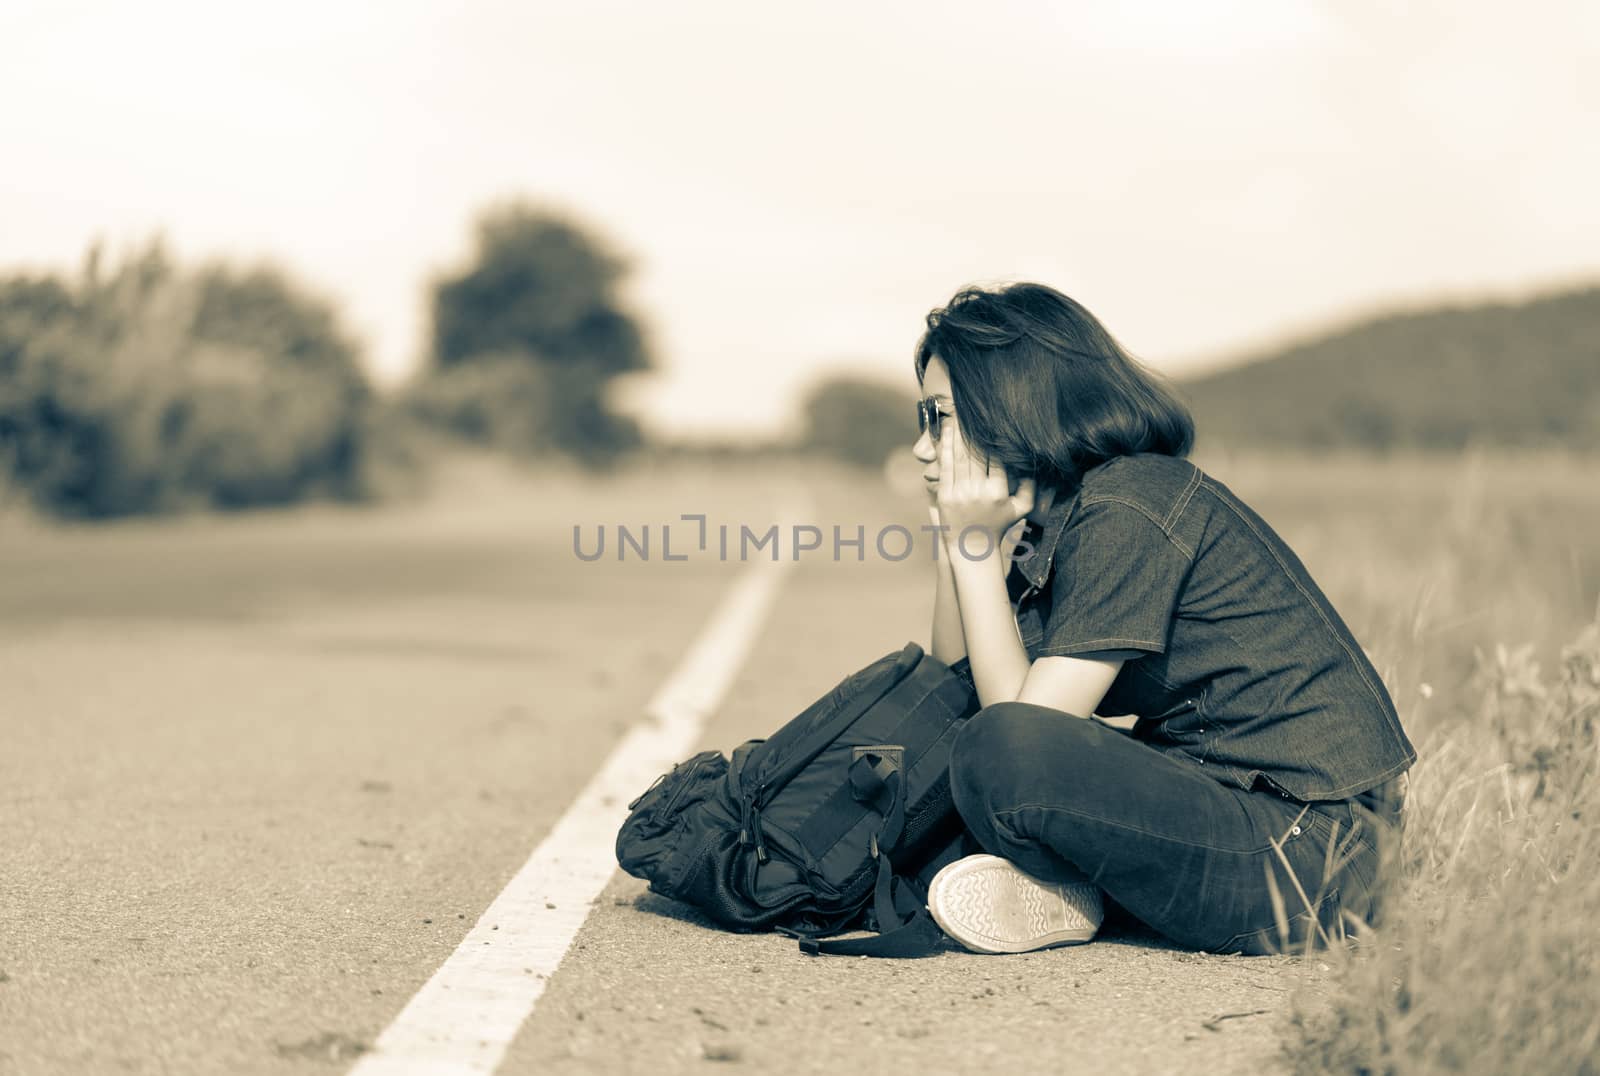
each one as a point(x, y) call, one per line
point(1525, 374)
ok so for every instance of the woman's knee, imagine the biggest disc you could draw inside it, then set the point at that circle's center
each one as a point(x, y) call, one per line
point(1004, 744)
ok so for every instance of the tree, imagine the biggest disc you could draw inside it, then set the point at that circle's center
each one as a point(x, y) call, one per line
point(540, 290)
point(858, 420)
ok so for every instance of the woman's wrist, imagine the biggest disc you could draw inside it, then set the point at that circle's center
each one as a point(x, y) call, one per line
point(941, 546)
point(977, 558)
point(997, 657)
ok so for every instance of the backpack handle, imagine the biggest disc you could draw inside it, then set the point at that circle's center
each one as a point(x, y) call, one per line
point(870, 769)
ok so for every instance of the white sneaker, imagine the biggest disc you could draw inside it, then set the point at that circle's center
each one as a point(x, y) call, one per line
point(990, 905)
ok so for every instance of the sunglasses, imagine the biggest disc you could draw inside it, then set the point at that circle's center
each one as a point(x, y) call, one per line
point(928, 417)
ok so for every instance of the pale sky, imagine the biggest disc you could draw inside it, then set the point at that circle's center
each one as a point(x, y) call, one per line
point(797, 185)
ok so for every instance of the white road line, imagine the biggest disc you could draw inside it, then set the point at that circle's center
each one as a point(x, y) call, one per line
point(464, 1018)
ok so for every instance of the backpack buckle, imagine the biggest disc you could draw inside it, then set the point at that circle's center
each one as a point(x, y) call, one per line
point(892, 753)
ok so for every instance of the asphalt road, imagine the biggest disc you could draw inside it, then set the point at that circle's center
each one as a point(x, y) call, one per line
point(259, 776)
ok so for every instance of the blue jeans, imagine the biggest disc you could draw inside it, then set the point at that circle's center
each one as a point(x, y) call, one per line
point(1177, 849)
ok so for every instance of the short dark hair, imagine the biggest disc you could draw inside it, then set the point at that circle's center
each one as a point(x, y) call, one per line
point(1043, 388)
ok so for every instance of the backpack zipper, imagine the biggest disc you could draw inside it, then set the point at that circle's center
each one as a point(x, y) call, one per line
point(750, 824)
point(640, 797)
point(683, 785)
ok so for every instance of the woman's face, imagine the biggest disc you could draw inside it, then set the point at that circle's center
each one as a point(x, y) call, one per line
point(935, 385)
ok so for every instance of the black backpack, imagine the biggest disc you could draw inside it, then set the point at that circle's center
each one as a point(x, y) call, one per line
point(834, 823)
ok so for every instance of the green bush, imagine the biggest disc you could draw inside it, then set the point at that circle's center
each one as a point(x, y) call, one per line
point(152, 389)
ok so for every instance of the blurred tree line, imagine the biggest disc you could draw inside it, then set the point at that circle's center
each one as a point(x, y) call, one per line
point(148, 386)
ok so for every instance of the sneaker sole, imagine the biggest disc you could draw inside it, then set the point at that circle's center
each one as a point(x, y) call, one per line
point(990, 905)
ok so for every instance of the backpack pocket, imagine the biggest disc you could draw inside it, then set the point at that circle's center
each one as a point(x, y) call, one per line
point(663, 814)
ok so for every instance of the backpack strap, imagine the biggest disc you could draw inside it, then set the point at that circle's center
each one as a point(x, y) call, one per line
point(905, 927)
point(915, 935)
point(918, 937)
point(894, 823)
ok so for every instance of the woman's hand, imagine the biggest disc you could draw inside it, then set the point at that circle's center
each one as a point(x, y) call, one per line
point(974, 496)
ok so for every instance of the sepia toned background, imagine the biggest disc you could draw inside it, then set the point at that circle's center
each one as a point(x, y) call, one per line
point(323, 328)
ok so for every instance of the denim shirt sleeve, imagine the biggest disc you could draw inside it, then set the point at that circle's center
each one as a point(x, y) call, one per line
point(1117, 580)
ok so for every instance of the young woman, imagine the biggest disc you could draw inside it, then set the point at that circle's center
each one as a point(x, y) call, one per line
point(1252, 804)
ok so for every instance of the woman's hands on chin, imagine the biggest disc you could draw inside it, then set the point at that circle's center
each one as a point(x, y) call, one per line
point(974, 496)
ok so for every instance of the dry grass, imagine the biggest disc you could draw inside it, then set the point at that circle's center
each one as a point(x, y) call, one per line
point(1490, 958)
point(1467, 579)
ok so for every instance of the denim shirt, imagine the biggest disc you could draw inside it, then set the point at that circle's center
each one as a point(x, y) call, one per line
point(1234, 658)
